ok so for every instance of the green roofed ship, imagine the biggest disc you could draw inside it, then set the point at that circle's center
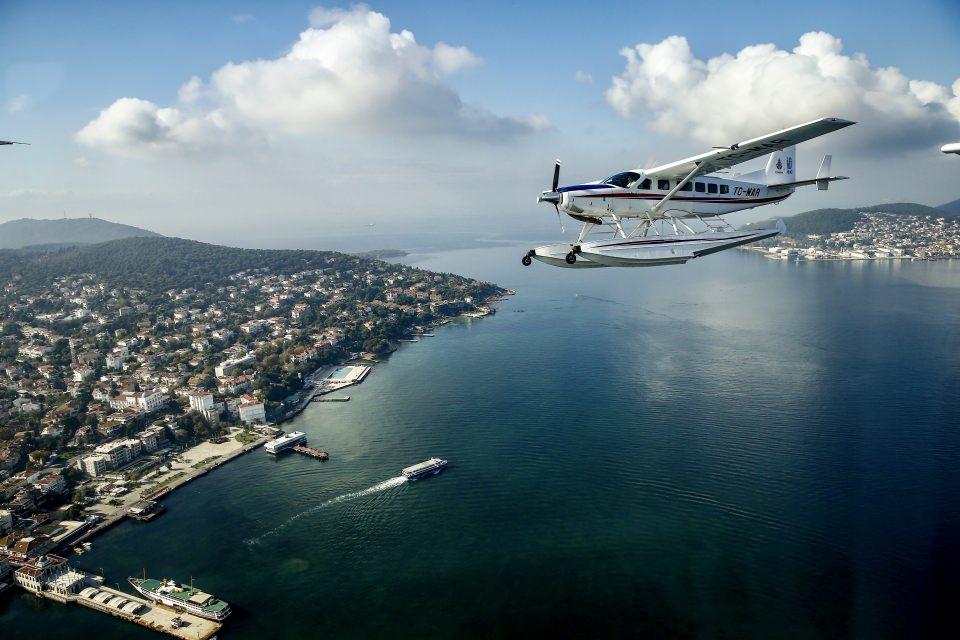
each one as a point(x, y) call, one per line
point(182, 597)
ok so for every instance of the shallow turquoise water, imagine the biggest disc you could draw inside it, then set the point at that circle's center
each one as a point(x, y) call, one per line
point(731, 448)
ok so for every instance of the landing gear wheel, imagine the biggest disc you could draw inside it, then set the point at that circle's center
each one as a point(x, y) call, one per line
point(571, 258)
point(526, 261)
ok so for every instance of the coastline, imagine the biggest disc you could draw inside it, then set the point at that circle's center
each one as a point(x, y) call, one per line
point(183, 475)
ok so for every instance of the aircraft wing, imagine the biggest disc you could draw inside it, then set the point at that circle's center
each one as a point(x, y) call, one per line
point(726, 157)
point(2, 142)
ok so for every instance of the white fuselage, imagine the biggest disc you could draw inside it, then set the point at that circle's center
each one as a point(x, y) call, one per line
point(703, 196)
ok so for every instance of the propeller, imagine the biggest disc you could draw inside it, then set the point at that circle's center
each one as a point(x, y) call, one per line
point(552, 196)
point(556, 183)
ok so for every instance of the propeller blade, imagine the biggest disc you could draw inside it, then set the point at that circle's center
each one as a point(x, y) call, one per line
point(560, 219)
point(556, 175)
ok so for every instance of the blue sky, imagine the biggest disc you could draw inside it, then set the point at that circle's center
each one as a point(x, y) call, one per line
point(63, 63)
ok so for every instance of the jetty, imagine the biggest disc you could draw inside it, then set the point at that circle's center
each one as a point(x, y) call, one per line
point(318, 454)
point(337, 399)
point(52, 577)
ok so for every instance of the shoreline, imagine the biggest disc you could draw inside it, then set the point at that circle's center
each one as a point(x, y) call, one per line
point(162, 489)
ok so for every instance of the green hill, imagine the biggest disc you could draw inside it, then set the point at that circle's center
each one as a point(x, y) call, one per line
point(827, 221)
point(951, 208)
point(157, 264)
point(27, 232)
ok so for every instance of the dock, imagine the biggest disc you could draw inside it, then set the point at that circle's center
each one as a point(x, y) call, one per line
point(337, 399)
point(150, 614)
point(318, 454)
point(52, 577)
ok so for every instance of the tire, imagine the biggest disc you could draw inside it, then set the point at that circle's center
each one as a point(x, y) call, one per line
point(526, 261)
point(571, 258)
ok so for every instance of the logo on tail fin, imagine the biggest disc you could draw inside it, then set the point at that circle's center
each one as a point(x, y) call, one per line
point(779, 164)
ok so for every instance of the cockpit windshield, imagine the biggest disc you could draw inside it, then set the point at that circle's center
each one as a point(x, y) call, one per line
point(623, 179)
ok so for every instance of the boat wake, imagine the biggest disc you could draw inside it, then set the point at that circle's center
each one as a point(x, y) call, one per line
point(346, 497)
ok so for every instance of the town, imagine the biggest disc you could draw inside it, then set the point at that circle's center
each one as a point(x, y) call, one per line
point(112, 395)
point(875, 235)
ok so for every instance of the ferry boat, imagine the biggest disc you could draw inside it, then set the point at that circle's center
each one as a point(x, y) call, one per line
point(285, 442)
point(181, 597)
point(431, 467)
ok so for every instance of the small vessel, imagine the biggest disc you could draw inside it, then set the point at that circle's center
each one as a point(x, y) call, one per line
point(283, 443)
point(181, 597)
point(430, 467)
point(78, 550)
point(86, 545)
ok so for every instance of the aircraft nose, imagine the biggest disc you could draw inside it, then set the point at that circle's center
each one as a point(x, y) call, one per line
point(550, 196)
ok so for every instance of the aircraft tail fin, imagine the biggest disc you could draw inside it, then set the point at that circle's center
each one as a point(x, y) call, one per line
point(782, 166)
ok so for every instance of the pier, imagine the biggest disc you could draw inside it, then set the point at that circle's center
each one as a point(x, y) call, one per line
point(318, 454)
point(337, 399)
point(149, 614)
point(52, 577)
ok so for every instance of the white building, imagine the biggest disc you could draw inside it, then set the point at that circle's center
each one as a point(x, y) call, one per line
point(227, 367)
point(147, 401)
point(201, 401)
point(94, 465)
point(252, 411)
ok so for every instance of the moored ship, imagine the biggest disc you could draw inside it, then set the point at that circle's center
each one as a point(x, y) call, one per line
point(430, 467)
point(181, 597)
point(285, 442)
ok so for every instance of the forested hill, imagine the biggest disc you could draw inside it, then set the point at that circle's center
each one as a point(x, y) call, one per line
point(160, 263)
point(827, 221)
point(951, 208)
point(28, 231)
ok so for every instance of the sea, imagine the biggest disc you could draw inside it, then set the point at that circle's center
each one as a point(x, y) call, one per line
point(733, 448)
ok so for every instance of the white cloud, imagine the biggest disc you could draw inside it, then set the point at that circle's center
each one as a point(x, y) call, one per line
point(347, 73)
point(583, 77)
point(763, 88)
point(241, 18)
point(19, 103)
point(81, 161)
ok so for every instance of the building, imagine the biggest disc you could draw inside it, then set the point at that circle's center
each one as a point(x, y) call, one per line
point(201, 401)
point(252, 410)
point(147, 401)
point(149, 441)
point(6, 522)
point(52, 483)
point(120, 452)
point(94, 465)
point(228, 367)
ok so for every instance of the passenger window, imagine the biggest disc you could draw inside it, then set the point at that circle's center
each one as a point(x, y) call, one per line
point(663, 185)
point(687, 187)
point(724, 189)
point(645, 184)
point(711, 188)
point(700, 187)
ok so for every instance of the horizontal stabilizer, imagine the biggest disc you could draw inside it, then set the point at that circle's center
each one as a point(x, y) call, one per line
point(820, 182)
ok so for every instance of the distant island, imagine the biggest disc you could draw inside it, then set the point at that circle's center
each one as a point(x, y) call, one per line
point(897, 230)
point(383, 254)
point(44, 234)
point(827, 221)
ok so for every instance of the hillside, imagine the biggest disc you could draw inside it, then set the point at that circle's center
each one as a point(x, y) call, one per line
point(160, 263)
point(26, 232)
point(827, 221)
point(951, 208)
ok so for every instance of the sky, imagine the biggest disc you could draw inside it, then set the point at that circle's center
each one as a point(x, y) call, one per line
point(245, 122)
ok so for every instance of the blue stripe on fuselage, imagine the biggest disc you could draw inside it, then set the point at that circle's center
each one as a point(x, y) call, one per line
point(584, 187)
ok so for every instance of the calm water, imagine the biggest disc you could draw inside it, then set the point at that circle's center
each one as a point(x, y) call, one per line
point(731, 448)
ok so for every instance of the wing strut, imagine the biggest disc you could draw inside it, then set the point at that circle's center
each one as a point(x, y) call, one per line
point(655, 208)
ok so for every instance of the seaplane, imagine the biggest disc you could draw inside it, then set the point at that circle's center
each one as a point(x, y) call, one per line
point(678, 207)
